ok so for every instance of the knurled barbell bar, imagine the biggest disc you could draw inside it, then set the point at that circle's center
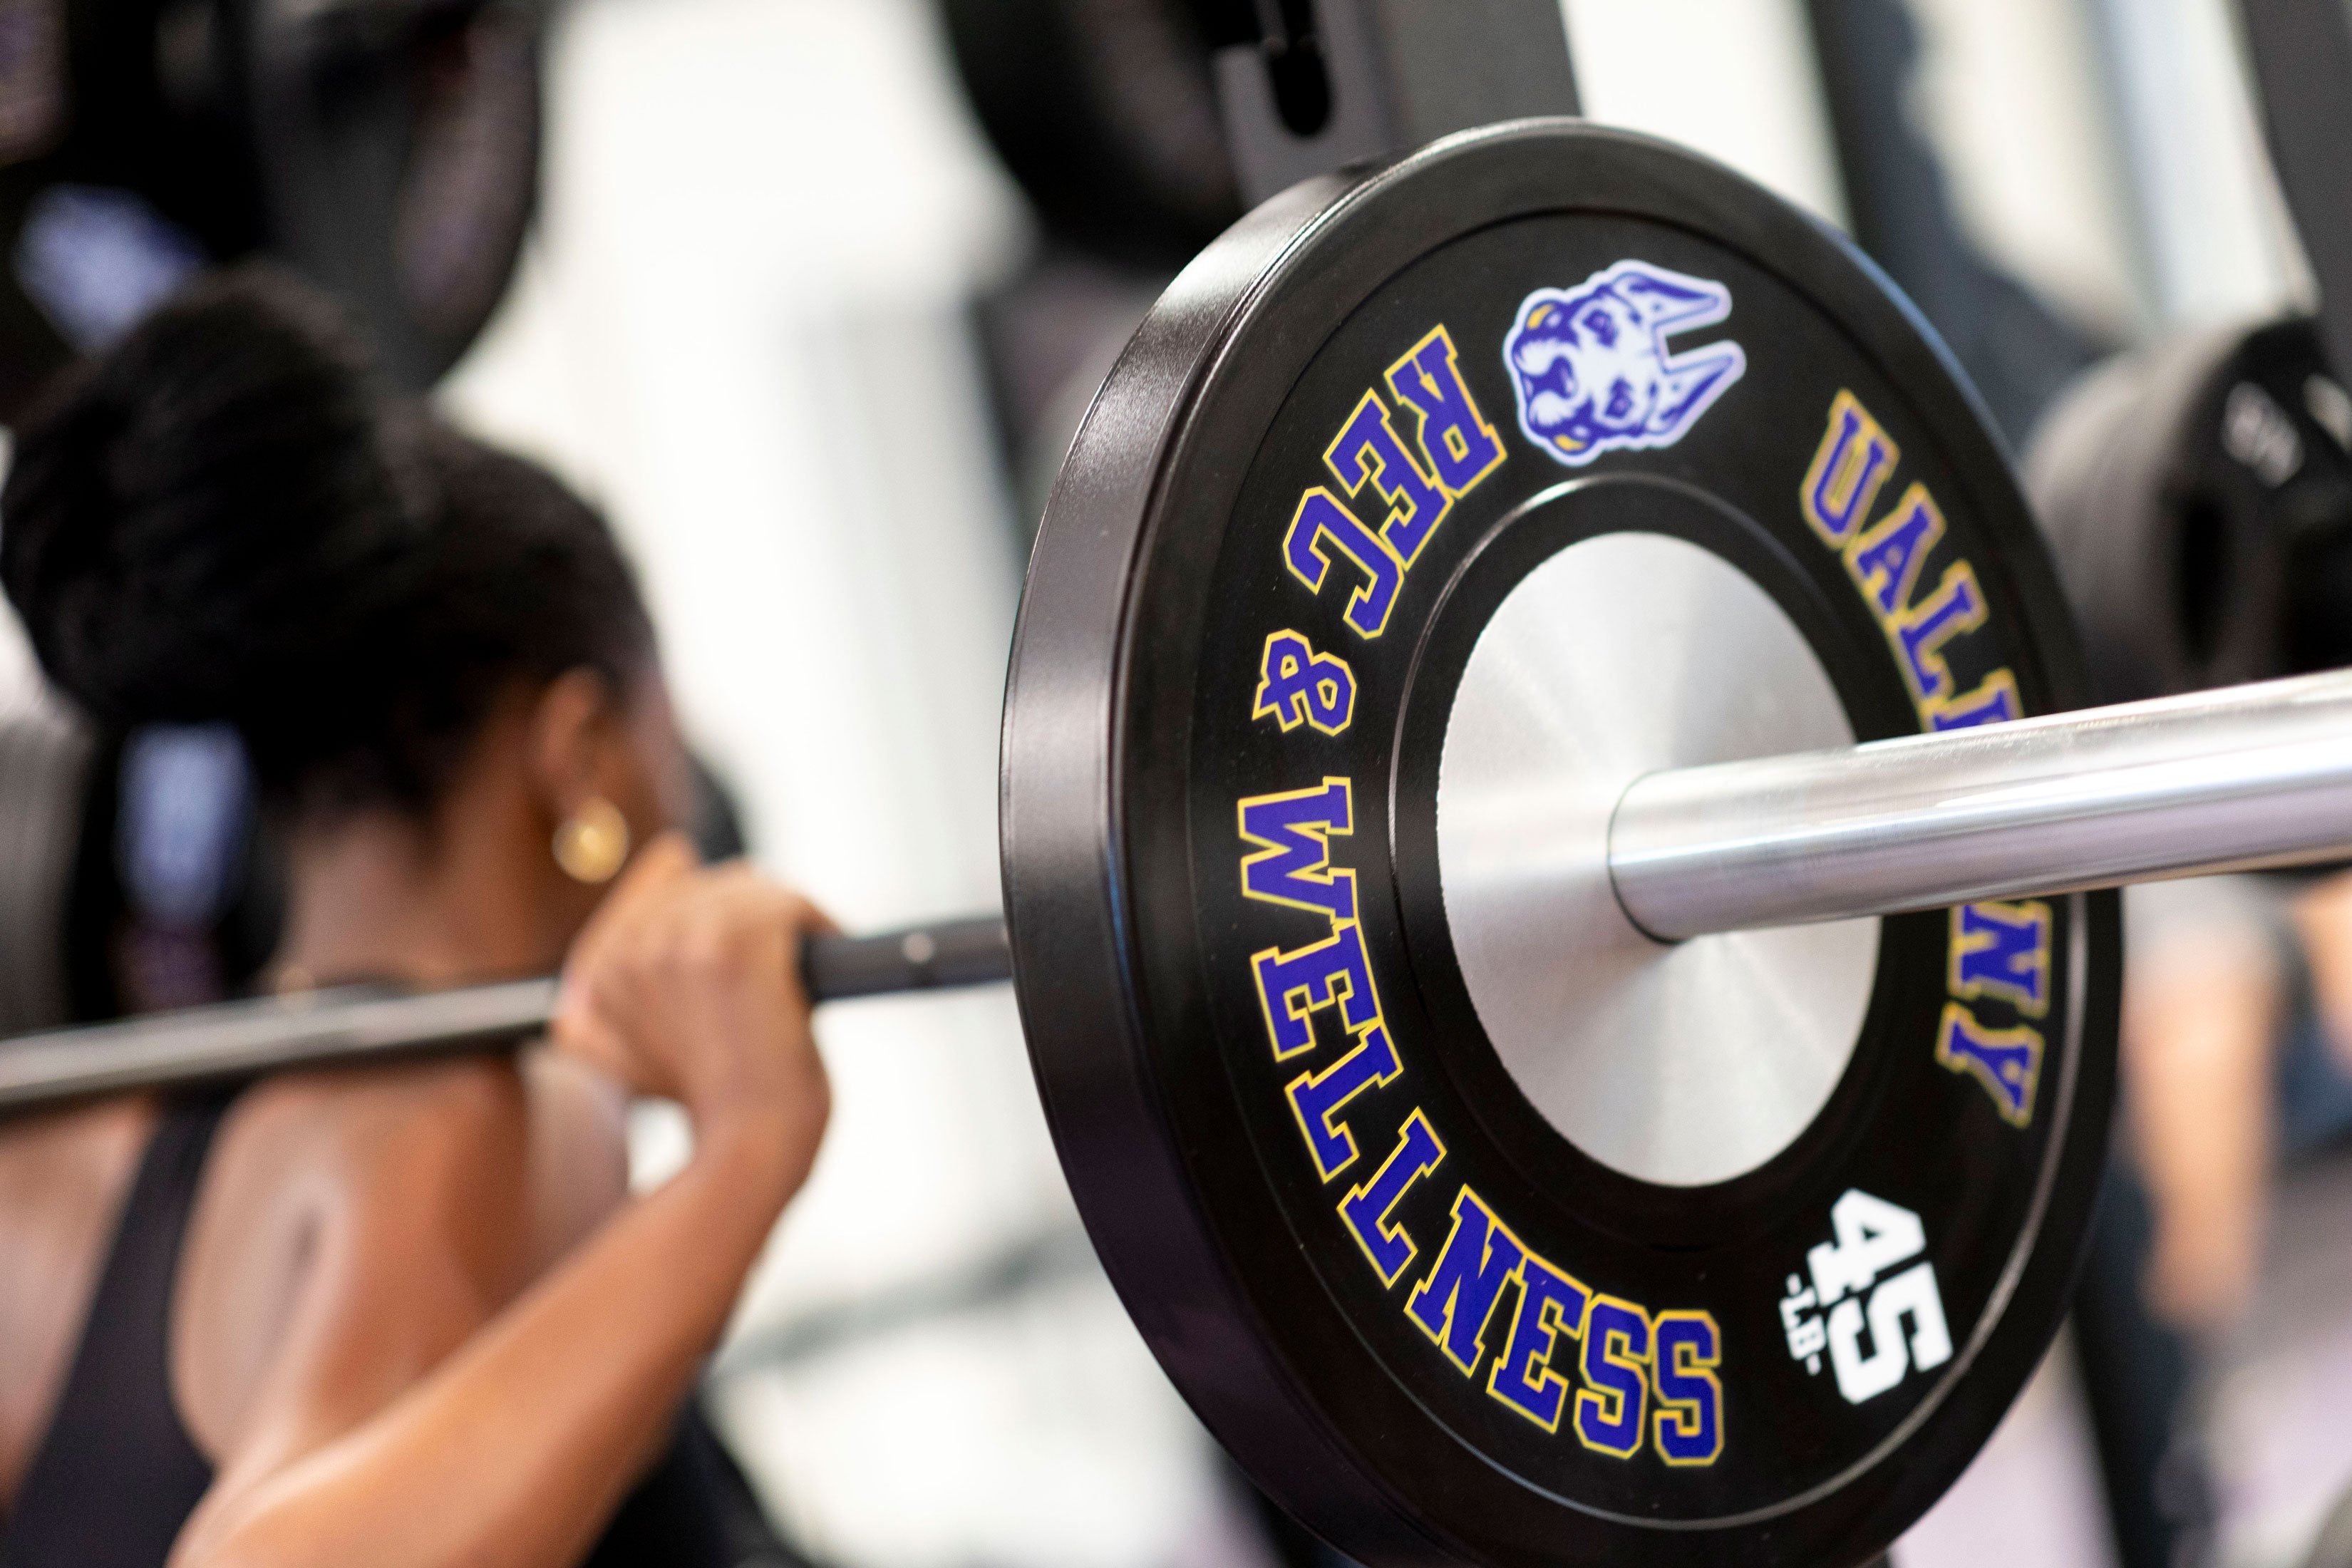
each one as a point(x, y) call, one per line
point(1473, 566)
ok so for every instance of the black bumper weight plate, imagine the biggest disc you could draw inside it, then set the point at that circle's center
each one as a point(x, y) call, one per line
point(1275, 1103)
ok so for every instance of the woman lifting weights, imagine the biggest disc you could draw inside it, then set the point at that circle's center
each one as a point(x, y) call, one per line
point(402, 1315)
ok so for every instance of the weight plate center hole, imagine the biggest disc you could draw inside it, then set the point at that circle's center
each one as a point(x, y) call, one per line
point(1685, 1064)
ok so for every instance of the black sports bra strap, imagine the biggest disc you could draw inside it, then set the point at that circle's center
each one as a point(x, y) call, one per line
point(116, 1450)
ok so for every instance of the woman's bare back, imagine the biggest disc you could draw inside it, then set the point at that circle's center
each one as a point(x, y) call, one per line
point(496, 1166)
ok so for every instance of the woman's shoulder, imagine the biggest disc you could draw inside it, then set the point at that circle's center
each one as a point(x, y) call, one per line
point(535, 1127)
point(363, 1118)
point(474, 1173)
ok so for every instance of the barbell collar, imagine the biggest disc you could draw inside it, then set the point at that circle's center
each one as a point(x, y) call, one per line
point(2245, 776)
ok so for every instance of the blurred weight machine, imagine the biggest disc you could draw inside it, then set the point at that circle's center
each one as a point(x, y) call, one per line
point(1140, 131)
point(387, 150)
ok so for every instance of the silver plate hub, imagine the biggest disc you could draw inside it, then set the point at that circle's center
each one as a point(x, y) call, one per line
point(1682, 1065)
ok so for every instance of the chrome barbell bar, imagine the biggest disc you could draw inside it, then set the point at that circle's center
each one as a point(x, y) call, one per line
point(2213, 780)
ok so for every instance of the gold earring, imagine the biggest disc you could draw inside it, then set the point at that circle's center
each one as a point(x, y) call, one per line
point(592, 842)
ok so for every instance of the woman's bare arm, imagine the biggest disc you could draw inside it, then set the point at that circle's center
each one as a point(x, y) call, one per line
point(411, 1419)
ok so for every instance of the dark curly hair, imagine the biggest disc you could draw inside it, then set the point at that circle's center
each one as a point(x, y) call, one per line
point(225, 518)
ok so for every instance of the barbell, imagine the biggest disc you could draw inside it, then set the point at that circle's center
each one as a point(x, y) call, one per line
point(1550, 881)
point(2253, 775)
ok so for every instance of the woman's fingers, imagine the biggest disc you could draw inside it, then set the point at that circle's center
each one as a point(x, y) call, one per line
point(657, 869)
point(687, 985)
point(579, 1034)
point(660, 866)
point(585, 1025)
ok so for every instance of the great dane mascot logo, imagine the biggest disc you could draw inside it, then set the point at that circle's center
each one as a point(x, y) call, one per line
point(1592, 366)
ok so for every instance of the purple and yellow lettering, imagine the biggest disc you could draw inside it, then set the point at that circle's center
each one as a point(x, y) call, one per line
point(1367, 451)
point(1994, 701)
point(2003, 950)
point(1551, 1307)
point(1886, 559)
point(1320, 525)
point(1461, 447)
point(1316, 1098)
point(1613, 1408)
point(1855, 456)
point(1293, 986)
point(1955, 606)
point(1457, 1296)
point(1686, 1349)
point(1298, 685)
point(2008, 1062)
point(1370, 1210)
point(1292, 865)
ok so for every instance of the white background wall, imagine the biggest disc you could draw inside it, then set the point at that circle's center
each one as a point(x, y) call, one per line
point(1734, 78)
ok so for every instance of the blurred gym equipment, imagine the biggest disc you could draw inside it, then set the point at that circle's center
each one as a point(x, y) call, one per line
point(2198, 492)
point(2017, 350)
point(388, 149)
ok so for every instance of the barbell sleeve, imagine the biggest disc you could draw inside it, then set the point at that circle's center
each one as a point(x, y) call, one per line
point(2248, 775)
point(321, 1029)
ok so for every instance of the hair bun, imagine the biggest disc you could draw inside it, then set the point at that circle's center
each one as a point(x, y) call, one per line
point(201, 524)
